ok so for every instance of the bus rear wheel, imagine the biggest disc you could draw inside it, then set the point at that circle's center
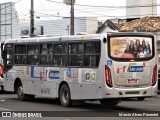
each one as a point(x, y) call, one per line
point(21, 95)
point(65, 96)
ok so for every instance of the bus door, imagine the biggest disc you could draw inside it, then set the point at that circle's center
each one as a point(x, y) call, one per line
point(8, 64)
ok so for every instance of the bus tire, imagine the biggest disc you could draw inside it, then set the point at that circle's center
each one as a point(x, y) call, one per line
point(141, 98)
point(21, 95)
point(65, 96)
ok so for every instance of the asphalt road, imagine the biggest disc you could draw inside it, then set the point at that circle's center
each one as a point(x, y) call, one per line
point(89, 110)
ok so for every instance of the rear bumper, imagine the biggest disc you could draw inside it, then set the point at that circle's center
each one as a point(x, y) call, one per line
point(129, 92)
point(136, 92)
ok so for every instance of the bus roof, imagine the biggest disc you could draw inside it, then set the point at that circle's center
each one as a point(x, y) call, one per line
point(57, 38)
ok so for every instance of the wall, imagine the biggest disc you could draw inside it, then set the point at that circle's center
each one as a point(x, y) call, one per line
point(136, 12)
point(91, 25)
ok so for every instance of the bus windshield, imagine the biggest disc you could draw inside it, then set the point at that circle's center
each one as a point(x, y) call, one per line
point(131, 47)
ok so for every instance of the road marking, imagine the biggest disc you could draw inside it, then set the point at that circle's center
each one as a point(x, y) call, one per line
point(4, 109)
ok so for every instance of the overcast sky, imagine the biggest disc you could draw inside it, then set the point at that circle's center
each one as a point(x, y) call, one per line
point(51, 9)
point(55, 9)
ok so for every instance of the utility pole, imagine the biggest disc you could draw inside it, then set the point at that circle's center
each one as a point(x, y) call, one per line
point(72, 18)
point(32, 20)
point(71, 3)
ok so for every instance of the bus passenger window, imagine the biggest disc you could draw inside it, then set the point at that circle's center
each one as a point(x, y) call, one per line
point(32, 60)
point(91, 54)
point(44, 49)
point(91, 60)
point(20, 54)
point(20, 59)
point(75, 57)
point(60, 48)
point(32, 49)
point(43, 59)
point(75, 60)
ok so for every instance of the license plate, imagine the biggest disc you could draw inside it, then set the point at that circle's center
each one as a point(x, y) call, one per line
point(132, 81)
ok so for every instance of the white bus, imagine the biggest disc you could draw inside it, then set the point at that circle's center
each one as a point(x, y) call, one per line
point(105, 67)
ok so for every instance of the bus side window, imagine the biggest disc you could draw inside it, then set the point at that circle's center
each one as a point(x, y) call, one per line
point(20, 54)
point(93, 61)
point(75, 51)
point(33, 54)
point(59, 58)
point(91, 54)
point(46, 54)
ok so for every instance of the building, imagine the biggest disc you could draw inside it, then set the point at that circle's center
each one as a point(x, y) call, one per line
point(12, 27)
point(8, 21)
point(135, 9)
point(62, 26)
point(141, 8)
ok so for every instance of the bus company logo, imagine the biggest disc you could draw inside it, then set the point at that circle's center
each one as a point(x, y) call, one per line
point(135, 69)
point(54, 74)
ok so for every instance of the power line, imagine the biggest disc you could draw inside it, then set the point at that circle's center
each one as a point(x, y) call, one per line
point(95, 20)
point(133, 6)
point(47, 14)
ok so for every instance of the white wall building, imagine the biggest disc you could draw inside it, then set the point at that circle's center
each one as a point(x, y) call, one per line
point(8, 21)
point(12, 27)
point(61, 26)
point(141, 8)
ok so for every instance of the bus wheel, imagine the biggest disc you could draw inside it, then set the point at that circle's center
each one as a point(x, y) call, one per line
point(21, 95)
point(65, 97)
point(141, 98)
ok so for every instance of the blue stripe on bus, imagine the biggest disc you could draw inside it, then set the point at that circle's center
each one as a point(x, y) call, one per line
point(32, 73)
